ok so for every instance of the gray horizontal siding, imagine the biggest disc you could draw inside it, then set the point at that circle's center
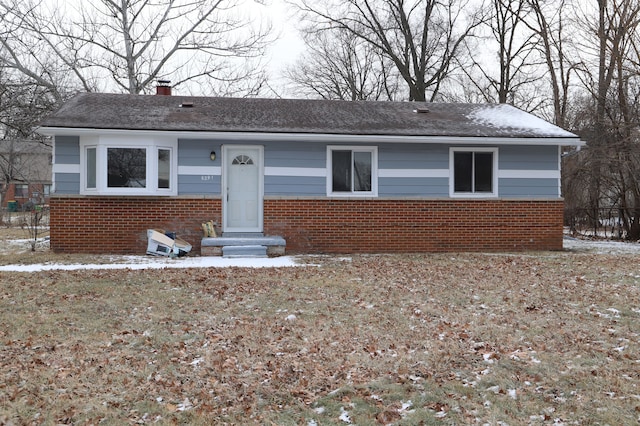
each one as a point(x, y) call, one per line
point(67, 183)
point(390, 156)
point(424, 187)
point(191, 185)
point(67, 150)
point(196, 152)
point(295, 185)
point(528, 188)
point(413, 156)
point(295, 154)
point(528, 158)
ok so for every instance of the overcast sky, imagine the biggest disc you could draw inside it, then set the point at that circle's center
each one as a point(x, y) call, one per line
point(284, 51)
point(289, 45)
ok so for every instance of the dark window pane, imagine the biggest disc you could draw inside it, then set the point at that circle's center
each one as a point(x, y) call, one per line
point(127, 168)
point(341, 164)
point(362, 171)
point(91, 168)
point(164, 168)
point(21, 190)
point(483, 171)
point(462, 171)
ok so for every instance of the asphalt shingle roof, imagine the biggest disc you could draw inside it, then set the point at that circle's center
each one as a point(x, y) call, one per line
point(209, 114)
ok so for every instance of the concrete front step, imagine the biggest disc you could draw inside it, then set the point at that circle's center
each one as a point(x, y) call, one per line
point(213, 246)
point(244, 251)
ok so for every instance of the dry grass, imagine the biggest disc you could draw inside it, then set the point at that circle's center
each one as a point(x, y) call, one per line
point(424, 339)
point(14, 240)
point(15, 248)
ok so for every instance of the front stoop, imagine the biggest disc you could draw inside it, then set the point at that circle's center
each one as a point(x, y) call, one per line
point(243, 245)
point(244, 251)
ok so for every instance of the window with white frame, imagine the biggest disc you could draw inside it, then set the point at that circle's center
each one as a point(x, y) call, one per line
point(473, 172)
point(352, 171)
point(21, 190)
point(115, 166)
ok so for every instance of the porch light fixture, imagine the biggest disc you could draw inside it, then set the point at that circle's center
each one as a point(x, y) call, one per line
point(212, 156)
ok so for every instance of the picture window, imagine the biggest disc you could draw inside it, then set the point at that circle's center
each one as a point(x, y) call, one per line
point(128, 167)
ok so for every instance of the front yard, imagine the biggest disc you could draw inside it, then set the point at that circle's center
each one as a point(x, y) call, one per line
point(545, 338)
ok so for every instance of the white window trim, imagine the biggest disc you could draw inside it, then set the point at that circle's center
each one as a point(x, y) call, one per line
point(494, 183)
point(173, 172)
point(152, 145)
point(374, 171)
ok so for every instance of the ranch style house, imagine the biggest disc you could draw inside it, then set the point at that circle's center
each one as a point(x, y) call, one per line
point(320, 176)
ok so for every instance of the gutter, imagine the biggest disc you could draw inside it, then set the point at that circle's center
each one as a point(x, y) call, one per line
point(318, 137)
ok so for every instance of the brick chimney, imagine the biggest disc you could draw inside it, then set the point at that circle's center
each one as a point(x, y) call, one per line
point(163, 88)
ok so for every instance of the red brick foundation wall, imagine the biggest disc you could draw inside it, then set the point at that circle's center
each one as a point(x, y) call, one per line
point(118, 225)
point(381, 225)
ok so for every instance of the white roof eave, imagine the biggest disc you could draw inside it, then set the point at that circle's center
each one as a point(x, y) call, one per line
point(319, 137)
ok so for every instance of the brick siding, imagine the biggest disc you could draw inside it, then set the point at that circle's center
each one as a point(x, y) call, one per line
point(119, 224)
point(380, 225)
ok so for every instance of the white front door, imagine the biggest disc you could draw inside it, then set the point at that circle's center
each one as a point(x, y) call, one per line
point(242, 188)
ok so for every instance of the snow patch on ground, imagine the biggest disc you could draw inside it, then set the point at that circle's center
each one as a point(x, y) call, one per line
point(149, 262)
point(600, 246)
point(25, 244)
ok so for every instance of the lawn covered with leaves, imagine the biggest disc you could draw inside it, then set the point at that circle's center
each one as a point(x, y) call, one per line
point(388, 339)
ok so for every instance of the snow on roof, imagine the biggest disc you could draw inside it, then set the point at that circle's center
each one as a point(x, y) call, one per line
point(504, 116)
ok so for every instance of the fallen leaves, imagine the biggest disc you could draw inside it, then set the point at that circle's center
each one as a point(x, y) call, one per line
point(360, 339)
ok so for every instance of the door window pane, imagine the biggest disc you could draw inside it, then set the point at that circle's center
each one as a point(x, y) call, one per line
point(126, 168)
point(242, 160)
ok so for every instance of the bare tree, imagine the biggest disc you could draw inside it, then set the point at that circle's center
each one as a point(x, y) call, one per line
point(22, 105)
point(339, 65)
point(610, 169)
point(420, 37)
point(27, 163)
point(514, 55)
point(549, 24)
point(517, 64)
point(128, 43)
